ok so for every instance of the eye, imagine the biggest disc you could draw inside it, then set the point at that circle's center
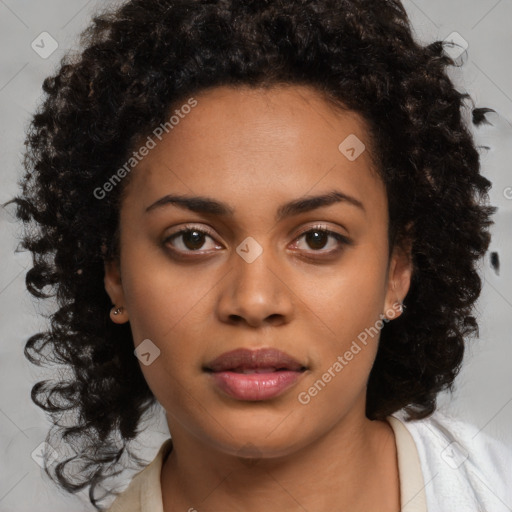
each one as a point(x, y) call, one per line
point(190, 239)
point(317, 238)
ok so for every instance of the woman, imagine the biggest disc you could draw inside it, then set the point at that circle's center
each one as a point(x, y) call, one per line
point(249, 194)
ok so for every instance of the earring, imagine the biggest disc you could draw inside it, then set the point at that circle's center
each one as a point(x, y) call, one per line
point(116, 311)
point(401, 307)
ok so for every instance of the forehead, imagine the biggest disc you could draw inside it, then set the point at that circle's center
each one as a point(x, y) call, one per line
point(249, 144)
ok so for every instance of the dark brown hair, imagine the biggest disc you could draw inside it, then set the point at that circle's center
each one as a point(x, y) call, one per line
point(137, 61)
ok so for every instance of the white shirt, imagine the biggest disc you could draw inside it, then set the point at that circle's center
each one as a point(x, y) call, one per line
point(445, 465)
point(464, 469)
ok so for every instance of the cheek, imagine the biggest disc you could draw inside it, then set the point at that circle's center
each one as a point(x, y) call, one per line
point(164, 307)
point(162, 299)
point(347, 301)
point(346, 333)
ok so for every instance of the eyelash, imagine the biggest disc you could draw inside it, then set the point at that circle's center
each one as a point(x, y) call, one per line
point(343, 240)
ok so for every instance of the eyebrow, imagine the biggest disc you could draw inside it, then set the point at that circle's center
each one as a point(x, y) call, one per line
point(208, 205)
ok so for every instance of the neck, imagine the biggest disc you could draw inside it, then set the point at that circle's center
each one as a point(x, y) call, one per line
point(352, 467)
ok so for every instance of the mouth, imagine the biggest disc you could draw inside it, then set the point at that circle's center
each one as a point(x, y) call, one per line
point(265, 360)
point(254, 375)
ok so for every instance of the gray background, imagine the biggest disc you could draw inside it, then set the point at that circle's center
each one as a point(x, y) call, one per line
point(483, 393)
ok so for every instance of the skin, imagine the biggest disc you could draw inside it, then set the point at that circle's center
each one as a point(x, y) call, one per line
point(255, 150)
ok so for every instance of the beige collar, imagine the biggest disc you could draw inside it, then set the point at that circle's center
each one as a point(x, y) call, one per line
point(412, 486)
point(144, 493)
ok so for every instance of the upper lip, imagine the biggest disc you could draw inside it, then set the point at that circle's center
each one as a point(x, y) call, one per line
point(245, 359)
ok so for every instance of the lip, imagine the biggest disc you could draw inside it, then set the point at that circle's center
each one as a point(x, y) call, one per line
point(255, 375)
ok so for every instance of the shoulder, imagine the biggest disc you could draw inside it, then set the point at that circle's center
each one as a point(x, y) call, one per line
point(464, 468)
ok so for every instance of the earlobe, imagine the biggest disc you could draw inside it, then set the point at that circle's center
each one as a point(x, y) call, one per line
point(118, 315)
point(399, 281)
point(112, 280)
point(114, 289)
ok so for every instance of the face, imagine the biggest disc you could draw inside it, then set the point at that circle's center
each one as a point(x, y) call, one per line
point(312, 279)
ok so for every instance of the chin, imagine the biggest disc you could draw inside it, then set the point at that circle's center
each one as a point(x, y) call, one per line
point(263, 437)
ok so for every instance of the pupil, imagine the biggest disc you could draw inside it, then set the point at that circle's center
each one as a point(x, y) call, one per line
point(315, 239)
point(196, 239)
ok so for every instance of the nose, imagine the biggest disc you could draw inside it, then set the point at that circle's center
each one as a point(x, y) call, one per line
point(255, 294)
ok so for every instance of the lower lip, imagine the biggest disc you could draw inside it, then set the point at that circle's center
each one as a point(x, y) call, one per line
point(255, 386)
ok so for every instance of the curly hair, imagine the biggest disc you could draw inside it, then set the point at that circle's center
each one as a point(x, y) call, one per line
point(143, 57)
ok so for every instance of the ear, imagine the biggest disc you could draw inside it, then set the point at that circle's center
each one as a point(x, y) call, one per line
point(114, 289)
point(399, 278)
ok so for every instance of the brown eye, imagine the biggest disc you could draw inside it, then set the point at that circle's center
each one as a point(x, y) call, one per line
point(317, 239)
point(190, 240)
point(193, 240)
